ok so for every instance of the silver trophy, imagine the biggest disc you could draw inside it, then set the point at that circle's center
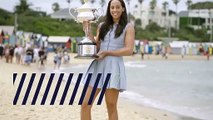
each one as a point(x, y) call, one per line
point(86, 48)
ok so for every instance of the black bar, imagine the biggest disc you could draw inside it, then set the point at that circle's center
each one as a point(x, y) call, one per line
point(85, 89)
point(14, 77)
point(19, 88)
point(104, 89)
point(66, 89)
point(28, 89)
point(94, 89)
point(76, 88)
point(47, 88)
point(38, 88)
point(56, 89)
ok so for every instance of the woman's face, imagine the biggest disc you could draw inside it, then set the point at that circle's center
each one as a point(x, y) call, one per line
point(116, 10)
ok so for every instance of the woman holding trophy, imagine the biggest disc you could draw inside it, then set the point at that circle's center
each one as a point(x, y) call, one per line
point(114, 39)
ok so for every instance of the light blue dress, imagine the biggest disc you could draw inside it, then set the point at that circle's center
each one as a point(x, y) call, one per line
point(110, 64)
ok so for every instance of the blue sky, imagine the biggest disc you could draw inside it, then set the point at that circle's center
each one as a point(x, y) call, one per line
point(45, 5)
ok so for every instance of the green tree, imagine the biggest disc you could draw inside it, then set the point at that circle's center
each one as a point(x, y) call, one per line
point(128, 2)
point(165, 8)
point(68, 2)
point(55, 7)
point(165, 5)
point(92, 1)
point(102, 3)
point(152, 4)
point(189, 3)
point(202, 5)
point(141, 12)
point(138, 22)
point(176, 4)
point(22, 7)
point(82, 1)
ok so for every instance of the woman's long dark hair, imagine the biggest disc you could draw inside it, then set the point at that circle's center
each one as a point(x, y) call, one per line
point(108, 22)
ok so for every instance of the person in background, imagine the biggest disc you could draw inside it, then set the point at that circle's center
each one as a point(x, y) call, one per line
point(28, 56)
point(17, 54)
point(36, 55)
point(1, 51)
point(11, 54)
point(55, 58)
point(7, 53)
point(183, 51)
point(41, 54)
point(66, 57)
point(23, 54)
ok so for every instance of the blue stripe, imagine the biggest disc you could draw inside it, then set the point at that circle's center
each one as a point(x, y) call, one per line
point(47, 88)
point(85, 89)
point(66, 89)
point(94, 89)
point(38, 89)
point(76, 88)
point(57, 88)
point(19, 88)
point(14, 77)
point(28, 89)
point(104, 89)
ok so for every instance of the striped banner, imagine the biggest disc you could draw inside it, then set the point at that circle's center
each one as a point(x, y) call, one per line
point(31, 82)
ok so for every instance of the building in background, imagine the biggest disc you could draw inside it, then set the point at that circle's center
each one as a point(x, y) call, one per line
point(158, 15)
point(197, 18)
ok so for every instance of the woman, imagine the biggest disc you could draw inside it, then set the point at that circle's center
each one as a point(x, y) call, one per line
point(115, 38)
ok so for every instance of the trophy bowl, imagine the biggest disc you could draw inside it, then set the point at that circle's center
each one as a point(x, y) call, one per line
point(86, 48)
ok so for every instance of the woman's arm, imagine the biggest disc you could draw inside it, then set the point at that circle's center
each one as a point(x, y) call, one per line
point(127, 49)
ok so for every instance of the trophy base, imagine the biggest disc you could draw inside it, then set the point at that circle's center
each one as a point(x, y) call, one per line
point(86, 57)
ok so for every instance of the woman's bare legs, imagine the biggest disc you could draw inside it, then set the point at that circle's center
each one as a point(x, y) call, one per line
point(111, 97)
point(85, 108)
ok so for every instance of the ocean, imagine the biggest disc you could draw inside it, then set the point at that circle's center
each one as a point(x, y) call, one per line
point(182, 87)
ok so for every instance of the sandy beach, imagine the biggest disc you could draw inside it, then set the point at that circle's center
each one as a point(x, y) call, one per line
point(127, 109)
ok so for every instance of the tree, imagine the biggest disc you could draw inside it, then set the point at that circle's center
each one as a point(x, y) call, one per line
point(92, 1)
point(55, 7)
point(141, 12)
point(176, 3)
point(189, 3)
point(68, 1)
point(153, 4)
point(22, 7)
point(165, 8)
point(128, 2)
point(165, 5)
point(140, 1)
point(138, 22)
point(202, 5)
point(166, 19)
point(102, 2)
point(82, 1)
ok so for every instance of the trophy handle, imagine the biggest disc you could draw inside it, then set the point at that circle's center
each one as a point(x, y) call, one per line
point(70, 12)
point(98, 12)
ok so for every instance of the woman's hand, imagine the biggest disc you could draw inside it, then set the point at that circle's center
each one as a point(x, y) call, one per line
point(102, 55)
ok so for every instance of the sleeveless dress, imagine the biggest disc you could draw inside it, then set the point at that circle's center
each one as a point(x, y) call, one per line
point(110, 64)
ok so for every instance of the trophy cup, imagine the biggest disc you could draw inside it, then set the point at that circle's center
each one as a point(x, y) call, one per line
point(86, 48)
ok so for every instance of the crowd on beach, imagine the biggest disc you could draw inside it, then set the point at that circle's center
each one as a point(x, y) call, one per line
point(200, 49)
point(28, 54)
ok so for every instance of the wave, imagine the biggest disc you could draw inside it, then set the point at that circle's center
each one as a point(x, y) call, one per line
point(182, 110)
point(135, 64)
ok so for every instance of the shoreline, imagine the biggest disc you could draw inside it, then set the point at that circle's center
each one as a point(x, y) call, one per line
point(128, 110)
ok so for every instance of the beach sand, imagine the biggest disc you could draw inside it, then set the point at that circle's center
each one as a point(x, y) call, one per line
point(127, 109)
